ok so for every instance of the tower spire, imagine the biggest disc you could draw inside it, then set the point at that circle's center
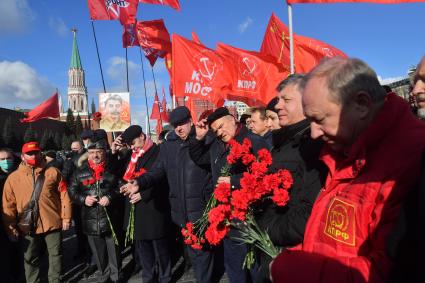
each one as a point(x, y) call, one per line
point(75, 57)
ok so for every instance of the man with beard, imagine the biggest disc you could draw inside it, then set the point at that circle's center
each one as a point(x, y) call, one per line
point(418, 91)
point(52, 212)
point(373, 150)
point(189, 184)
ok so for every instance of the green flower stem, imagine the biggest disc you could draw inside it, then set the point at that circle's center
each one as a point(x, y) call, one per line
point(129, 234)
point(112, 228)
point(251, 234)
point(201, 225)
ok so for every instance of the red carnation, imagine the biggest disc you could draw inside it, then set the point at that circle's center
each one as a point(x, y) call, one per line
point(216, 233)
point(285, 178)
point(219, 213)
point(240, 199)
point(239, 214)
point(222, 192)
point(265, 156)
point(97, 116)
point(280, 197)
point(248, 158)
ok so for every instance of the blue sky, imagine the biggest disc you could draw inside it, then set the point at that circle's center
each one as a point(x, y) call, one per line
point(36, 41)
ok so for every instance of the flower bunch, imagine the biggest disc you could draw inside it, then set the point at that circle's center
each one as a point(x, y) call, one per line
point(190, 238)
point(227, 205)
point(89, 182)
point(129, 233)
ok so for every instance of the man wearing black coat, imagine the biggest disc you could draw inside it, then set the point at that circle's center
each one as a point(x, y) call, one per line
point(294, 150)
point(95, 188)
point(151, 208)
point(210, 148)
point(189, 184)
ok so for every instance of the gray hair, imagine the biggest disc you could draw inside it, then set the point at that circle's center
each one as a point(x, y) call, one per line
point(347, 76)
point(293, 79)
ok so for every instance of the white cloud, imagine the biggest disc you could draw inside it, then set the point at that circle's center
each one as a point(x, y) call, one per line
point(20, 85)
point(385, 81)
point(116, 71)
point(15, 16)
point(244, 25)
point(58, 25)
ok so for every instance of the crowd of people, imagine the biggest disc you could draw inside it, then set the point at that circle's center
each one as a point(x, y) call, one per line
point(356, 209)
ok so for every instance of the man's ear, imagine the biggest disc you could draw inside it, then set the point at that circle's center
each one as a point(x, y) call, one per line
point(362, 104)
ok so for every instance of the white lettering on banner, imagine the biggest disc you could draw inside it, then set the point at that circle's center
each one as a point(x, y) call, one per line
point(119, 3)
point(195, 76)
point(196, 88)
point(247, 84)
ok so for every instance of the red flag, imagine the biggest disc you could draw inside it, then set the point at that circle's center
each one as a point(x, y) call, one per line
point(172, 3)
point(198, 71)
point(353, 1)
point(154, 38)
point(129, 36)
point(47, 109)
point(158, 127)
point(164, 106)
point(195, 38)
point(123, 10)
point(254, 75)
point(307, 51)
point(156, 112)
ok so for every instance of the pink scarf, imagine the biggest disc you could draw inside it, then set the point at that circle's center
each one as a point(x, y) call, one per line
point(131, 168)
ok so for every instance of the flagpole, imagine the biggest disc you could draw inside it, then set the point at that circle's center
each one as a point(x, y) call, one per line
point(291, 39)
point(98, 56)
point(146, 98)
point(156, 92)
point(126, 67)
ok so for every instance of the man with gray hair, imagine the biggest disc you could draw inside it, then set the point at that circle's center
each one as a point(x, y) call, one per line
point(373, 150)
point(418, 91)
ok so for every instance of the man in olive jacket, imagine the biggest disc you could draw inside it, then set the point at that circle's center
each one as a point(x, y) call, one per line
point(95, 188)
point(54, 212)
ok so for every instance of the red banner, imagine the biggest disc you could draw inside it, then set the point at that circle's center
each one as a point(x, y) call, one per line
point(255, 76)
point(47, 109)
point(307, 51)
point(195, 38)
point(198, 71)
point(353, 1)
point(154, 38)
point(172, 3)
point(123, 10)
point(163, 105)
point(129, 36)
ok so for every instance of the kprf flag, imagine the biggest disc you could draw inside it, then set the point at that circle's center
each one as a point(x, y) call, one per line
point(129, 35)
point(353, 1)
point(198, 71)
point(154, 39)
point(307, 51)
point(123, 10)
point(47, 109)
point(172, 3)
point(254, 75)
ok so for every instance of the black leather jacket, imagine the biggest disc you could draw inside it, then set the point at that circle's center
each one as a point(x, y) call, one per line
point(94, 218)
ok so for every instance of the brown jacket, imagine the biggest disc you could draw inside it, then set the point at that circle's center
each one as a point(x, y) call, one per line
point(54, 206)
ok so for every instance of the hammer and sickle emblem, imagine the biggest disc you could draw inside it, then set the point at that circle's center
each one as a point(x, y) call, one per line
point(209, 73)
point(249, 69)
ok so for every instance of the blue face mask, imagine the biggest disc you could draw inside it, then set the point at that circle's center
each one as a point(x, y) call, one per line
point(6, 165)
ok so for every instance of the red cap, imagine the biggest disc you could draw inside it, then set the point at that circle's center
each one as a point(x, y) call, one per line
point(30, 146)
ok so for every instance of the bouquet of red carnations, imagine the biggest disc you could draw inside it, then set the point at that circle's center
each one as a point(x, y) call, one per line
point(227, 205)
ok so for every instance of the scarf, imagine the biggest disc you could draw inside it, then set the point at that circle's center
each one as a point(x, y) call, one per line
point(98, 169)
point(137, 153)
